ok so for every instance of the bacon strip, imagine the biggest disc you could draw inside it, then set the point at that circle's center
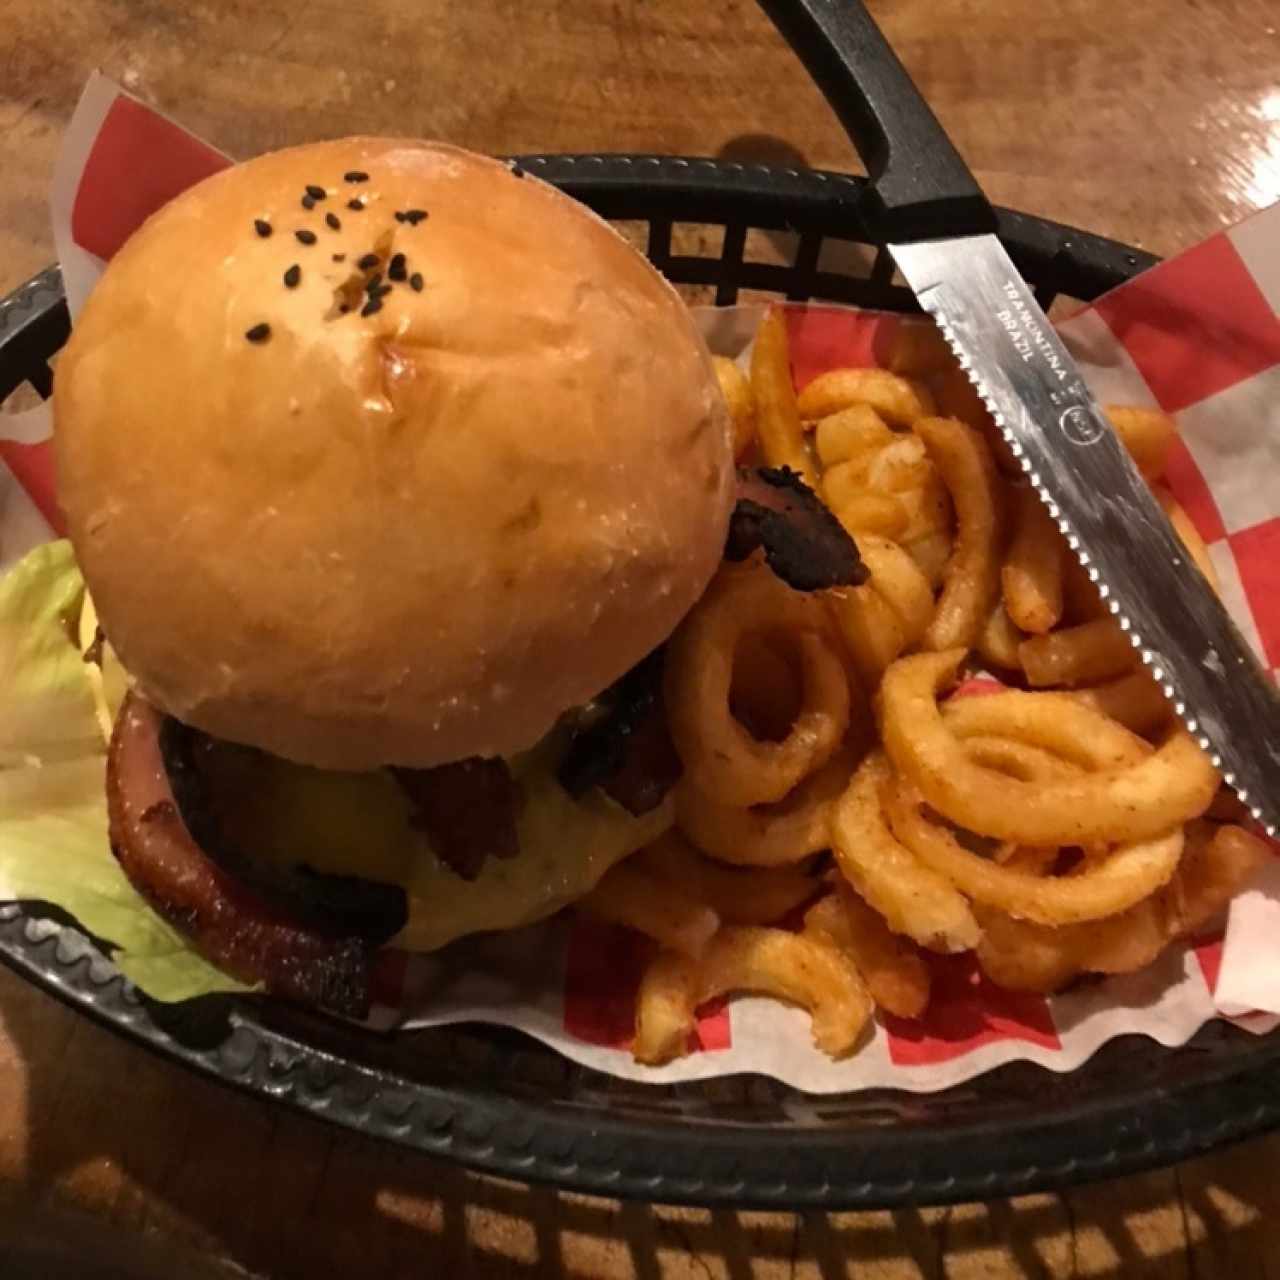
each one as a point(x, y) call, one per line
point(467, 809)
point(803, 542)
point(228, 924)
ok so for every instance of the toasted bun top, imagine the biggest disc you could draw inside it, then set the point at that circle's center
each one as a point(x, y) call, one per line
point(407, 536)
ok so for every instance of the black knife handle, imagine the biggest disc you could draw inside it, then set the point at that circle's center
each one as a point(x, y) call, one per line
point(921, 187)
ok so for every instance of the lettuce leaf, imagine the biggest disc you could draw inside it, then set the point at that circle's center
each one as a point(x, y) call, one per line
point(53, 812)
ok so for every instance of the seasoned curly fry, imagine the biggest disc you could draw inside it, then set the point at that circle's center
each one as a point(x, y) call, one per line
point(850, 434)
point(888, 614)
point(666, 1005)
point(1054, 722)
point(777, 420)
point(912, 899)
point(1086, 654)
point(1134, 701)
point(998, 641)
point(1190, 535)
point(1138, 802)
point(1055, 828)
point(755, 896)
point(1148, 434)
point(896, 975)
point(1031, 579)
point(972, 577)
point(899, 401)
point(1080, 599)
point(1022, 956)
point(919, 349)
point(742, 411)
point(627, 895)
point(1133, 872)
point(788, 966)
point(771, 835)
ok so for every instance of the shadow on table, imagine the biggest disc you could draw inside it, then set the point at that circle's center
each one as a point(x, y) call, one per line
point(187, 1168)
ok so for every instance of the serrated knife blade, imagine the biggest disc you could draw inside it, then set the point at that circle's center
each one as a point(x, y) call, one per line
point(1085, 477)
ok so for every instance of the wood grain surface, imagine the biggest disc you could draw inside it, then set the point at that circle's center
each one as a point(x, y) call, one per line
point(1153, 121)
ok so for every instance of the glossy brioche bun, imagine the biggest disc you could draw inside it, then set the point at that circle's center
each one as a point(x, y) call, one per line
point(403, 537)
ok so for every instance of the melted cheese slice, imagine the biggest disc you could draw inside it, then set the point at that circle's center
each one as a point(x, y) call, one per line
point(360, 824)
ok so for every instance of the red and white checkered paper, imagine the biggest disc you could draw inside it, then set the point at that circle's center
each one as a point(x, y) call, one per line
point(1198, 336)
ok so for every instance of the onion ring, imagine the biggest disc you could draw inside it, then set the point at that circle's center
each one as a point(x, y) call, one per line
point(719, 754)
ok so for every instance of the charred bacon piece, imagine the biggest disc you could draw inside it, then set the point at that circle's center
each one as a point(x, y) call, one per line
point(649, 768)
point(229, 924)
point(803, 542)
point(623, 745)
point(467, 809)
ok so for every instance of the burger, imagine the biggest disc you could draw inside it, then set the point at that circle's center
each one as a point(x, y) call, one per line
point(389, 469)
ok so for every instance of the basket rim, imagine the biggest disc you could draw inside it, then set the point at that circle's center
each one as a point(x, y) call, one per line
point(592, 1150)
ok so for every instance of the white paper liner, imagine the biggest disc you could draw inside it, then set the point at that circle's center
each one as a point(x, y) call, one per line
point(523, 980)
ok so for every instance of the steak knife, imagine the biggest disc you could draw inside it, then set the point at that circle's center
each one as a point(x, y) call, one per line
point(924, 204)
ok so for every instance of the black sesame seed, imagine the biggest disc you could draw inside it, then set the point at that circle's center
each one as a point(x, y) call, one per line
point(415, 282)
point(373, 305)
point(369, 260)
point(331, 221)
point(396, 269)
point(357, 205)
point(415, 216)
point(308, 202)
point(374, 280)
point(259, 332)
point(356, 175)
point(316, 193)
point(379, 291)
point(262, 227)
point(292, 276)
point(339, 257)
point(516, 170)
point(305, 237)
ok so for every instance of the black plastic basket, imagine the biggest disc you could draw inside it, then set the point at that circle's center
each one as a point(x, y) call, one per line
point(496, 1100)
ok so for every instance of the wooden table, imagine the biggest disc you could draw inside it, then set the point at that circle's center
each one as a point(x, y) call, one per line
point(1153, 121)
